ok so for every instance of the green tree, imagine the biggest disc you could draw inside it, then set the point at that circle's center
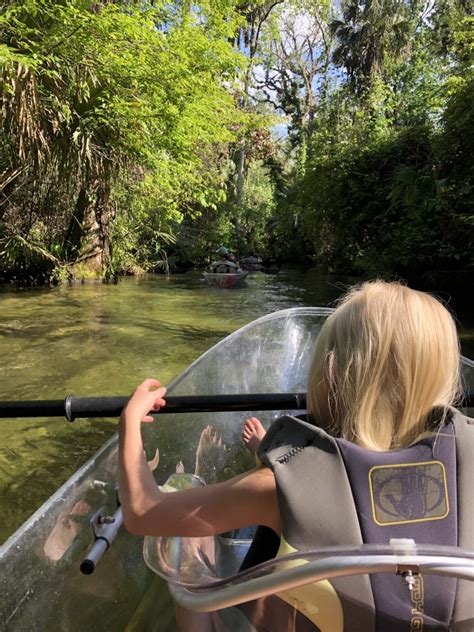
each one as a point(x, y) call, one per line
point(367, 33)
point(95, 94)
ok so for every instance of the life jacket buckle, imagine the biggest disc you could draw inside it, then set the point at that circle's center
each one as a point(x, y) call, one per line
point(409, 578)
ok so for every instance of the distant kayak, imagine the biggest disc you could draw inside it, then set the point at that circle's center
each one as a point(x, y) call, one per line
point(252, 264)
point(253, 267)
point(226, 279)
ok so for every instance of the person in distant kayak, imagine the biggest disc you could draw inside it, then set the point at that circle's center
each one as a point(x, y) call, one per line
point(225, 264)
point(231, 256)
point(382, 454)
point(253, 258)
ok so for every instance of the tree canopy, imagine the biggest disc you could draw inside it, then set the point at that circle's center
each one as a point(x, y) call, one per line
point(138, 133)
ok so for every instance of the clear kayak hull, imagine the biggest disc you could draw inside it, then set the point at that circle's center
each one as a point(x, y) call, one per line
point(41, 587)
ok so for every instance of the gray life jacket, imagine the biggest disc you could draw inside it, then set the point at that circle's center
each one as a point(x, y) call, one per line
point(332, 492)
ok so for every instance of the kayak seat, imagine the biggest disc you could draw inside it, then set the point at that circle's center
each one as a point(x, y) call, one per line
point(213, 574)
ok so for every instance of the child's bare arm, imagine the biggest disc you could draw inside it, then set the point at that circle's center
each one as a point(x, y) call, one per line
point(246, 499)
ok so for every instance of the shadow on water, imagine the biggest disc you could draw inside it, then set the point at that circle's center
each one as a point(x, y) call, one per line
point(103, 340)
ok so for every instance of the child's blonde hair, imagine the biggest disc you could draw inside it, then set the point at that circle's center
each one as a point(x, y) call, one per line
point(383, 361)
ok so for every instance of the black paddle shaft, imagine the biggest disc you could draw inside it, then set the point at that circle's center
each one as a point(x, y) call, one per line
point(89, 407)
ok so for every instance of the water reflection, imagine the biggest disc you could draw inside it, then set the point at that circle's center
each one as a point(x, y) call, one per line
point(102, 340)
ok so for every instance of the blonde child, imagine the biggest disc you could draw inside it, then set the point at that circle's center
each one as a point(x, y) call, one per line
point(378, 457)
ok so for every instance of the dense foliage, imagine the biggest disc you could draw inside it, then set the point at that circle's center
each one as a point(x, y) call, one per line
point(136, 135)
point(113, 117)
point(388, 172)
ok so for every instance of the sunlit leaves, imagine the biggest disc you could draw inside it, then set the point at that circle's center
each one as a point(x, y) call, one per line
point(94, 92)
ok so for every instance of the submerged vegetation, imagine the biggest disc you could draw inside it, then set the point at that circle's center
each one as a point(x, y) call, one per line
point(137, 135)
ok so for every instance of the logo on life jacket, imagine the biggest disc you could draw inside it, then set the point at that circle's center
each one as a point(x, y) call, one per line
point(408, 492)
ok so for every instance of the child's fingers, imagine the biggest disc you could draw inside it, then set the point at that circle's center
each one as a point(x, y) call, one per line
point(153, 387)
point(158, 403)
point(160, 392)
point(150, 383)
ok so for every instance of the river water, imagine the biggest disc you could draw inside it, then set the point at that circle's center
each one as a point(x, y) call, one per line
point(103, 340)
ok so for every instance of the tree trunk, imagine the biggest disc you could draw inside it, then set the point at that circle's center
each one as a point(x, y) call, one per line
point(87, 240)
point(75, 231)
point(95, 244)
point(240, 175)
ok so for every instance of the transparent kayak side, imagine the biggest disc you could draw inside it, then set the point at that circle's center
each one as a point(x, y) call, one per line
point(41, 587)
point(211, 592)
